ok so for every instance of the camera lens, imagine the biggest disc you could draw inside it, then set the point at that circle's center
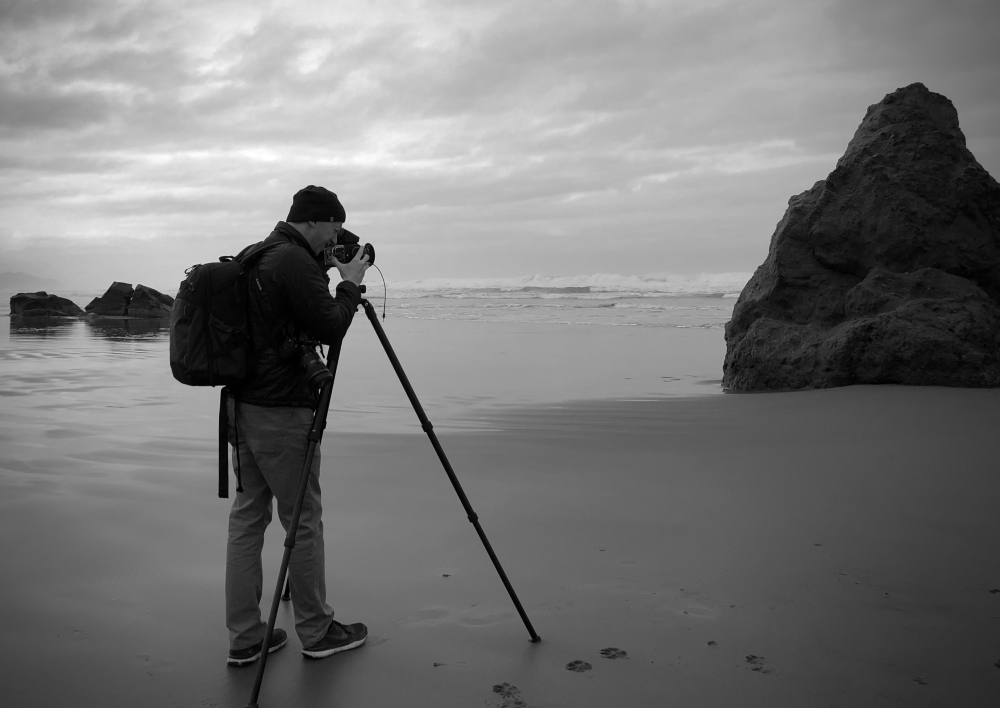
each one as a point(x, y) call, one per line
point(316, 371)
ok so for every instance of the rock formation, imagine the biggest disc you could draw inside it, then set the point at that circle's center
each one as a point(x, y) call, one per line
point(121, 300)
point(887, 271)
point(149, 303)
point(41, 304)
point(113, 302)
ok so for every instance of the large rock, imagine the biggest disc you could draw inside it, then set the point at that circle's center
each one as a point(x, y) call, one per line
point(121, 300)
point(148, 303)
point(888, 271)
point(112, 303)
point(41, 304)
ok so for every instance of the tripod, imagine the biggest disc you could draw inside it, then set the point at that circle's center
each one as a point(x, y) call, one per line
point(315, 435)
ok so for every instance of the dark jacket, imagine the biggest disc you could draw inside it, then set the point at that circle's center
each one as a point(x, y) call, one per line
point(298, 292)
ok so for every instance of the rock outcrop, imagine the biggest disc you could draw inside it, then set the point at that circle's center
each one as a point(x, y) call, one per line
point(41, 304)
point(121, 300)
point(887, 271)
point(148, 303)
point(113, 302)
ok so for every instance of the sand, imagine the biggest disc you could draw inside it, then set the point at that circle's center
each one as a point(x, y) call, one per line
point(824, 548)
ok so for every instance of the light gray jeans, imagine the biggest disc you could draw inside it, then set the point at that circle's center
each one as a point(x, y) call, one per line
point(272, 450)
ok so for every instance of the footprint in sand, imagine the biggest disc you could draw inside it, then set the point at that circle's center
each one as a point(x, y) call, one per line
point(919, 680)
point(758, 663)
point(510, 694)
point(428, 614)
point(578, 666)
point(614, 653)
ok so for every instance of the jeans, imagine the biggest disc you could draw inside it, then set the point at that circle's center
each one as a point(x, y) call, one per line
point(272, 451)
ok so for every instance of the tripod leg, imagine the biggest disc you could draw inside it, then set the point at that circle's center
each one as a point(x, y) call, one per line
point(429, 429)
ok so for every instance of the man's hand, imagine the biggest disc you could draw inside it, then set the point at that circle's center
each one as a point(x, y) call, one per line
point(354, 270)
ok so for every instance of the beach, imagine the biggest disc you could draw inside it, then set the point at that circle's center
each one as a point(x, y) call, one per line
point(815, 548)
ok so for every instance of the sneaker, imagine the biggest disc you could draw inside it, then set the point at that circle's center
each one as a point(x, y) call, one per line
point(340, 637)
point(242, 657)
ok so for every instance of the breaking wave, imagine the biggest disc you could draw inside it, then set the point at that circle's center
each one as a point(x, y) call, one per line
point(596, 286)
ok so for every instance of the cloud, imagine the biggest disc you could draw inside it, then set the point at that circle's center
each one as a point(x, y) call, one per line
point(457, 133)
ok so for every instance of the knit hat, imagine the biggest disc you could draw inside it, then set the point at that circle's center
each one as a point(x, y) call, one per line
point(315, 204)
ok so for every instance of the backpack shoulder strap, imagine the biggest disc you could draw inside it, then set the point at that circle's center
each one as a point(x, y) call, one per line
point(253, 252)
point(248, 258)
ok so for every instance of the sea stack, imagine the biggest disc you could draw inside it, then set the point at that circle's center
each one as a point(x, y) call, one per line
point(887, 271)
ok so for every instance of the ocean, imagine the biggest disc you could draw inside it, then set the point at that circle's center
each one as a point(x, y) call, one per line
point(469, 347)
point(652, 301)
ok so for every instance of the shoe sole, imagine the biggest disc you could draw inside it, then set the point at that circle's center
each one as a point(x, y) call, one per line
point(243, 662)
point(330, 652)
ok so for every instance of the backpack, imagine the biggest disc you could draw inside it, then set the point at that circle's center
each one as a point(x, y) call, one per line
point(210, 342)
point(210, 339)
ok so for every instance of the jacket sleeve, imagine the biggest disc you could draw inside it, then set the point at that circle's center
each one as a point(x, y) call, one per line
point(306, 294)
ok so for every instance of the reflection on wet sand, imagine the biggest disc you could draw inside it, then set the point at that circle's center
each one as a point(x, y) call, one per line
point(106, 327)
point(41, 326)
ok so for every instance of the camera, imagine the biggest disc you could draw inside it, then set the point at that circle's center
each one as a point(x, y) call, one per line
point(303, 351)
point(347, 249)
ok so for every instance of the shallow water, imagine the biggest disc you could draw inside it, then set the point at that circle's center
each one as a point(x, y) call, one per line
point(69, 376)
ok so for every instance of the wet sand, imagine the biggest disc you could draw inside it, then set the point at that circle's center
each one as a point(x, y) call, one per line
point(825, 548)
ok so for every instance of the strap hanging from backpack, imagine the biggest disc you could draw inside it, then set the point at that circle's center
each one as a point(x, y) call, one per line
point(211, 338)
point(224, 444)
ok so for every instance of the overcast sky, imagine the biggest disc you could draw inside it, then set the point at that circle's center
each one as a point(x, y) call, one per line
point(466, 138)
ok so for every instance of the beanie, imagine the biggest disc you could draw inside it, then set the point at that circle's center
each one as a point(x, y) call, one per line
point(315, 204)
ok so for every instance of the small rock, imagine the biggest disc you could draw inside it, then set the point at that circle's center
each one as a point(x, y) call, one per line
point(713, 643)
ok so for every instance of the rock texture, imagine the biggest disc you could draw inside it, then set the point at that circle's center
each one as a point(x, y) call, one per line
point(887, 271)
point(41, 304)
point(121, 300)
point(149, 303)
point(113, 302)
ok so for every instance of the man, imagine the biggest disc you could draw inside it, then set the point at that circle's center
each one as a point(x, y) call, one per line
point(269, 420)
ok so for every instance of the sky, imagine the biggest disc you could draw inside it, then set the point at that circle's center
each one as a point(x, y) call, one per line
point(466, 138)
